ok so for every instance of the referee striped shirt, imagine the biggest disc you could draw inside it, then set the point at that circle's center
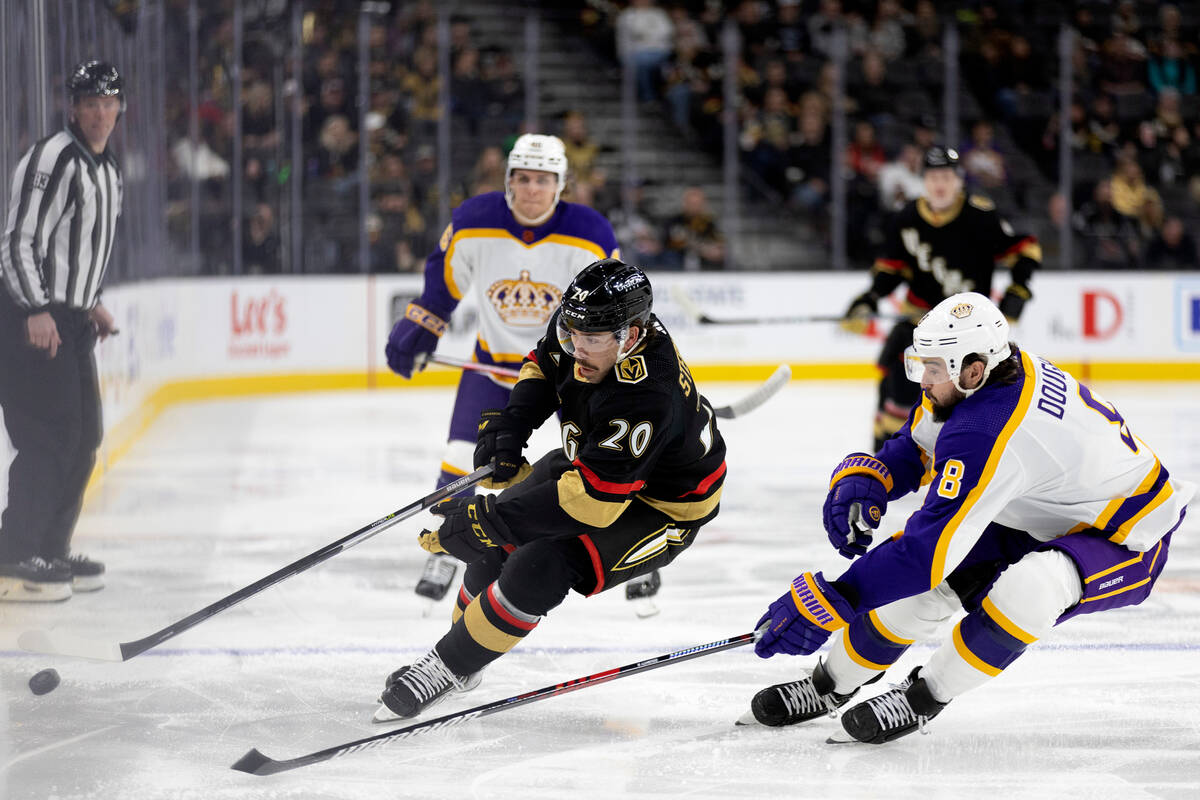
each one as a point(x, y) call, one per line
point(61, 218)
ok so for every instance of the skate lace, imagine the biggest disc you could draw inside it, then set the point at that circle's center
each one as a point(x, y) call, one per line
point(893, 711)
point(428, 677)
point(802, 697)
point(37, 562)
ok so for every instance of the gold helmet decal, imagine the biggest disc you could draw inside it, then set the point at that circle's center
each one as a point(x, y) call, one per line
point(962, 310)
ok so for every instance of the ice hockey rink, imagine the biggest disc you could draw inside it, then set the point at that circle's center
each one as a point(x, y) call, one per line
point(217, 494)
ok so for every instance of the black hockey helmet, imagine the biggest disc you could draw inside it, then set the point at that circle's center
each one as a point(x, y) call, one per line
point(607, 295)
point(95, 79)
point(938, 157)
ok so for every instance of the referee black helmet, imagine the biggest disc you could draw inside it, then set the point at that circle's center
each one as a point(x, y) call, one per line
point(96, 79)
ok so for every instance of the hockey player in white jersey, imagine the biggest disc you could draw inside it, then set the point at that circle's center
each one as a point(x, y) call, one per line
point(1042, 504)
point(515, 251)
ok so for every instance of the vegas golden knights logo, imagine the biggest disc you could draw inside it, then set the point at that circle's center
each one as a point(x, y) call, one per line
point(631, 370)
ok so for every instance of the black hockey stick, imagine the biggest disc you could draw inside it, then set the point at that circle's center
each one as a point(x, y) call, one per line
point(697, 314)
point(256, 763)
point(66, 644)
point(471, 366)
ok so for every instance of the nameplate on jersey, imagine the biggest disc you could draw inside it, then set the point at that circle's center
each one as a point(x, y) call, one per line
point(631, 370)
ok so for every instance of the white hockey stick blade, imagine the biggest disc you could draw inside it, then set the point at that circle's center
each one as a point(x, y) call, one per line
point(779, 378)
point(841, 737)
point(53, 643)
point(685, 302)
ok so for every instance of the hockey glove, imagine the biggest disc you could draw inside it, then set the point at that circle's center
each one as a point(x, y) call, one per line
point(1014, 300)
point(800, 621)
point(413, 338)
point(470, 528)
point(499, 443)
point(858, 315)
point(857, 500)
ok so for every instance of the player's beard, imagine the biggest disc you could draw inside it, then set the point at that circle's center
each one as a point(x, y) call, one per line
point(942, 411)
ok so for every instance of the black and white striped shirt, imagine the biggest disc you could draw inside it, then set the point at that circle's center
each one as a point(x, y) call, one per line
point(61, 219)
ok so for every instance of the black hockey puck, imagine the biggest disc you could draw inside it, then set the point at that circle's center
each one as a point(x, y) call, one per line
point(44, 682)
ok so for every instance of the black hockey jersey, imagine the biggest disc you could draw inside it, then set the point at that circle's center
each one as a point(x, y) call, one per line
point(938, 255)
point(643, 432)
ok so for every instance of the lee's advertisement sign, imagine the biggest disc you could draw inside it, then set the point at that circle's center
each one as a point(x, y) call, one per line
point(258, 323)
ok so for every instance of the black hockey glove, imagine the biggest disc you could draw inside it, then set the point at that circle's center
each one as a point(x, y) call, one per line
point(470, 528)
point(500, 442)
point(860, 312)
point(1014, 300)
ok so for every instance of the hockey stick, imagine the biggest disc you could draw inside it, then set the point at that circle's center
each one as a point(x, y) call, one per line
point(696, 314)
point(256, 763)
point(473, 366)
point(778, 379)
point(65, 644)
point(744, 406)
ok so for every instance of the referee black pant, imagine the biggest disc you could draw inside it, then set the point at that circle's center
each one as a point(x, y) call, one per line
point(52, 413)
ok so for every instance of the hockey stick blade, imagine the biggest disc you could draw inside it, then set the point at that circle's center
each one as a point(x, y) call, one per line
point(778, 379)
point(255, 763)
point(64, 644)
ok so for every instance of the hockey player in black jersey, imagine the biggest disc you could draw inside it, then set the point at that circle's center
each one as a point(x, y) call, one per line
point(640, 471)
point(942, 243)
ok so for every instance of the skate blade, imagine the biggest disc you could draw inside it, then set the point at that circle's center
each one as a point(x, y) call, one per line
point(15, 590)
point(644, 607)
point(384, 714)
point(747, 719)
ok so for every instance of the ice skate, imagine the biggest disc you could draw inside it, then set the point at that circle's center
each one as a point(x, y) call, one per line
point(895, 713)
point(35, 580)
point(86, 575)
point(641, 591)
point(798, 701)
point(437, 576)
point(424, 683)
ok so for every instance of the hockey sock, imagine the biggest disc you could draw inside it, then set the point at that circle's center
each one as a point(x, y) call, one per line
point(1023, 605)
point(488, 627)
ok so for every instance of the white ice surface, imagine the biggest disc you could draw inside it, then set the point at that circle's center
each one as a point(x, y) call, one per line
point(219, 494)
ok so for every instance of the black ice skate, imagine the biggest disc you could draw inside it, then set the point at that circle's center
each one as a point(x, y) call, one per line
point(34, 580)
point(414, 688)
point(895, 713)
point(86, 575)
point(799, 701)
point(641, 591)
point(437, 576)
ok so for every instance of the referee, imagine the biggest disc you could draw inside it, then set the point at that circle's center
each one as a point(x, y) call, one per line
point(62, 214)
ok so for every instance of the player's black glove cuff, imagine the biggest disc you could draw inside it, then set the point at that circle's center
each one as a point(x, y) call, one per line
point(865, 305)
point(499, 443)
point(1013, 301)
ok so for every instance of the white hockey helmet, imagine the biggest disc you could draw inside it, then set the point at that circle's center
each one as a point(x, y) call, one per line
point(960, 325)
point(541, 152)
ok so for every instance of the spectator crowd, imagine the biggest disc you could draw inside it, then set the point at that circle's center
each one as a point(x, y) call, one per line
point(1134, 122)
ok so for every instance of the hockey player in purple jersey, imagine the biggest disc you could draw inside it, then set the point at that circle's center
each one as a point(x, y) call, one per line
point(514, 251)
point(1042, 505)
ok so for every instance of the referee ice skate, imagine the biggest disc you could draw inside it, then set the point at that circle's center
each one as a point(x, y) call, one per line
point(62, 217)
